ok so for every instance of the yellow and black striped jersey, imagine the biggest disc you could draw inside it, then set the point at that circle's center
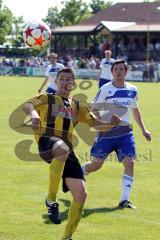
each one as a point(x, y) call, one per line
point(59, 115)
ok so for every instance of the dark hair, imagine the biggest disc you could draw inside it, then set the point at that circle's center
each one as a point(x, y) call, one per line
point(119, 61)
point(53, 54)
point(66, 70)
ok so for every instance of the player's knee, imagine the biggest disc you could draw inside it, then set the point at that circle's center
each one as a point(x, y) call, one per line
point(61, 154)
point(81, 196)
point(96, 165)
point(129, 163)
point(60, 151)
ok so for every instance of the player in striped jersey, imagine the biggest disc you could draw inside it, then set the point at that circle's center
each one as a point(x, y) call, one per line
point(53, 118)
point(121, 97)
point(51, 74)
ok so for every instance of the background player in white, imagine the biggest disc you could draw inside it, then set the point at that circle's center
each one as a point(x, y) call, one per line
point(123, 98)
point(51, 74)
point(106, 63)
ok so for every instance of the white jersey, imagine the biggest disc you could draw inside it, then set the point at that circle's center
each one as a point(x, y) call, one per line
point(106, 68)
point(115, 100)
point(51, 72)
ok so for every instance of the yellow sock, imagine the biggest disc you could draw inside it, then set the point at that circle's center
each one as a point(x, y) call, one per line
point(74, 216)
point(55, 174)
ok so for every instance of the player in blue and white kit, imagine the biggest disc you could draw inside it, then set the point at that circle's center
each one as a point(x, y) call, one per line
point(118, 97)
point(105, 65)
point(51, 74)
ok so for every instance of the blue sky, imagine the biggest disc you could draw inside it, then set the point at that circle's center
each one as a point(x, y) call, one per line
point(36, 10)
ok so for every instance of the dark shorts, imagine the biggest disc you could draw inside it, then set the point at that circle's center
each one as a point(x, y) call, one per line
point(103, 81)
point(50, 90)
point(72, 168)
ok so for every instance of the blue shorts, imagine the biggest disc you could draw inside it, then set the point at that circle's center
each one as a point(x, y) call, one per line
point(103, 81)
point(124, 146)
point(50, 90)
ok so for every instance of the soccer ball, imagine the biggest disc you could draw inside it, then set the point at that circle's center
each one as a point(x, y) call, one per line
point(37, 35)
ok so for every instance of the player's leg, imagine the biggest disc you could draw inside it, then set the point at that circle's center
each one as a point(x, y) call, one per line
point(60, 153)
point(78, 191)
point(99, 151)
point(126, 153)
point(73, 181)
point(55, 152)
point(127, 182)
point(93, 166)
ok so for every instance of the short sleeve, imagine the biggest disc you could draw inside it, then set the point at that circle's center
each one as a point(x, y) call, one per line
point(39, 100)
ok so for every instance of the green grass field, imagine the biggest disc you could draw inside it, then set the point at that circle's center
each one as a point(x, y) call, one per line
point(24, 183)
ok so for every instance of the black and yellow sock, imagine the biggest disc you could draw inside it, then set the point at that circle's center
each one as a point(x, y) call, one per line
point(55, 174)
point(74, 216)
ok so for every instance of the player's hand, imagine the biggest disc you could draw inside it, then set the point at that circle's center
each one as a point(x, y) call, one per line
point(35, 118)
point(35, 123)
point(115, 120)
point(147, 135)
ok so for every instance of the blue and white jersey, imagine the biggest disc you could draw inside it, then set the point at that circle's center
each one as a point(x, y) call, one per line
point(119, 101)
point(51, 72)
point(106, 68)
point(112, 100)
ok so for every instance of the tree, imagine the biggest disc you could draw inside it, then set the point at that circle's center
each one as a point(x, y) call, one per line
point(74, 11)
point(98, 5)
point(17, 31)
point(5, 22)
point(53, 18)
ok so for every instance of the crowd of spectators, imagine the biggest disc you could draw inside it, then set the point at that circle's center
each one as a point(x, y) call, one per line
point(24, 62)
point(147, 67)
point(129, 49)
point(68, 60)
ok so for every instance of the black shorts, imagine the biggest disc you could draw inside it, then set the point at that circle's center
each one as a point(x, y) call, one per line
point(72, 168)
point(45, 146)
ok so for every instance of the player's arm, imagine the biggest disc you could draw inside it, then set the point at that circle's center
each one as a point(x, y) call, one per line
point(30, 109)
point(139, 121)
point(88, 117)
point(35, 118)
point(43, 84)
point(138, 118)
point(104, 125)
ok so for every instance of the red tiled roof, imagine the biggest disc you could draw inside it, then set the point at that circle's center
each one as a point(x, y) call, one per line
point(127, 12)
point(140, 13)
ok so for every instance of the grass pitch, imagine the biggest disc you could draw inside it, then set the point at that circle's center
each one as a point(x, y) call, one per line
point(24, 182)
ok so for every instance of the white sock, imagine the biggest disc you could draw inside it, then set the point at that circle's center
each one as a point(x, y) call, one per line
point(84, 169)
point(127, 182)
